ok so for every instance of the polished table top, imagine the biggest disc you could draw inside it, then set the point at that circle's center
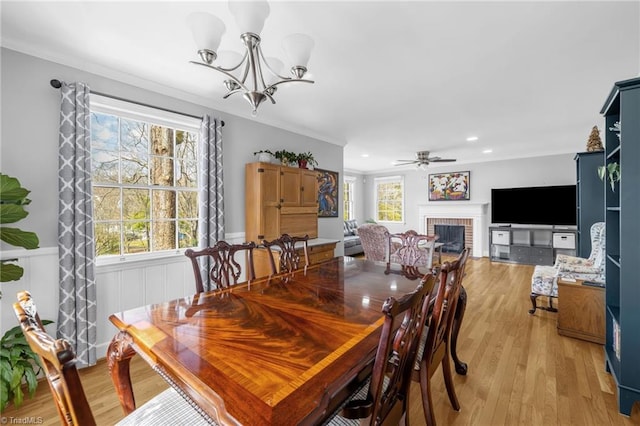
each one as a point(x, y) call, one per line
point(273, 351)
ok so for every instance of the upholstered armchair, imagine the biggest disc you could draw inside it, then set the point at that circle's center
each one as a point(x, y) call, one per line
point(544, 281)
point(591, 268)
point(374, 241)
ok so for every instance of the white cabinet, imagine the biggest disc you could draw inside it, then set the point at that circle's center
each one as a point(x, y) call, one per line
point(533, 246)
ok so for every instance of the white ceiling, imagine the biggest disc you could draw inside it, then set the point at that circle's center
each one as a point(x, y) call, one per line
point(392, 78)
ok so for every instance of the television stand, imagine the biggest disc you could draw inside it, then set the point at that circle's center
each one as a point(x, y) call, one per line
point(531, 245)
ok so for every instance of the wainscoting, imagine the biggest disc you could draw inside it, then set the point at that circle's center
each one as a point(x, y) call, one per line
point(120, 286)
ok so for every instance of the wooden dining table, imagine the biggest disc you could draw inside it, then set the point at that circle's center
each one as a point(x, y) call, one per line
point(284, 350)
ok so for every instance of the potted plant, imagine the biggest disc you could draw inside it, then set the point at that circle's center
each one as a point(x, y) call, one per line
point(306, 160)
point(612, 171)
point(286, 157)
point(264, 155)
point(18, 363)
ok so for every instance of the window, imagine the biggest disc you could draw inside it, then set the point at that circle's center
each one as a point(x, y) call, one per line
point(389, 199)
point(144, 170)
point(348, 188)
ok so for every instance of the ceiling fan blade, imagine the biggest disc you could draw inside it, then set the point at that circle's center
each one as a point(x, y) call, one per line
point(441, 160)
point(406, 162)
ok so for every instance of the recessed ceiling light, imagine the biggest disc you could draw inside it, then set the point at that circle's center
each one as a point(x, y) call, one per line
point(364, 155)
point(472, 138)
point(487, 151)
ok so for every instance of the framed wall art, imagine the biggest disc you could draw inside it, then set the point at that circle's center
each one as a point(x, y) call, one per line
point(328, 204)
point(452, 186)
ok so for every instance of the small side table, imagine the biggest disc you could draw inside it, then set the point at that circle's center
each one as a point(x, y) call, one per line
point(581, 311)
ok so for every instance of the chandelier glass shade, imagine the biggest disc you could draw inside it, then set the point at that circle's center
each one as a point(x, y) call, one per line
point(251, 74)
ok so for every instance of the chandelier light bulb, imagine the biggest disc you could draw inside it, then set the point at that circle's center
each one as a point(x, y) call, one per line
point(297, 48)
point(249, 15)
point(207, 32)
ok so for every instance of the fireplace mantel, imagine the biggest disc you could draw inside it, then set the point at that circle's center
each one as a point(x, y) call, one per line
point(457, 210)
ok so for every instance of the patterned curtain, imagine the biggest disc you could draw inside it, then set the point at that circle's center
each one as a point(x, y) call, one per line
point(77, 315)
point(211, 223)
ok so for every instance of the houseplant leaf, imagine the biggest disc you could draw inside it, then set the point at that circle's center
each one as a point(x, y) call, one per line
point(11, 190)
point(10, 213)
point(10, 272)
point(19, 238)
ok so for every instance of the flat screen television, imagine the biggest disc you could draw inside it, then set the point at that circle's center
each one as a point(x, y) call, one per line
point(537, 205)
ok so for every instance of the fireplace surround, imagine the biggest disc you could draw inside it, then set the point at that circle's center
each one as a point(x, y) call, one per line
point(473, 216)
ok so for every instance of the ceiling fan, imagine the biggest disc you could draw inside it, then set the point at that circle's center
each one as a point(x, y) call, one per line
point(423, 159)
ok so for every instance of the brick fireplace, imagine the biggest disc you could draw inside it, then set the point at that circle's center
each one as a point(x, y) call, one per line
point(471, 216)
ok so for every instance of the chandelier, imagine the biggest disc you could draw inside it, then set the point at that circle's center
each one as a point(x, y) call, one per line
point(251, 74)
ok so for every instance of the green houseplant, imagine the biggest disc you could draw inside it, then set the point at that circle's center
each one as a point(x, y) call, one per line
point(306, 159)
point(612, 171)
point(286, 157)
point(18, 362)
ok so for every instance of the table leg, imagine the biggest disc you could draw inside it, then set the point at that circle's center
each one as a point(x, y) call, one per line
point(461, 306)
point(119, 357)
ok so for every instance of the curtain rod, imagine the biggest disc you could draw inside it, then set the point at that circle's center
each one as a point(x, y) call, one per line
point(56, 84)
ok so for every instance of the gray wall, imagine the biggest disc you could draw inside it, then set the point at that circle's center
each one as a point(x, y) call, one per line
point(534, 171)
point(30, 108)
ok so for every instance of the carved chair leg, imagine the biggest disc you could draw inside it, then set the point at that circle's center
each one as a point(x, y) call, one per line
point(448, 381)
point(461, 306)
point(425, 390)
point(119, 356)
point(533, 302)
point(551, 308)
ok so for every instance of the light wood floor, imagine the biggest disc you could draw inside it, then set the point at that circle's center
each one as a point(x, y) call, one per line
point(521, 372)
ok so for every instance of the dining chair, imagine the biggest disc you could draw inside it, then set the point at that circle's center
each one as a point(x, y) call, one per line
point(287, 251)
point(59, 364)
point(435, 342)
point(386, 399)
point(219, 264)
point(374, 241)
point(411, 251)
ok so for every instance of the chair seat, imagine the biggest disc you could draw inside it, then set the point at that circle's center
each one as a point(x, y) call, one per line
point(166, 408)
point(544, 281)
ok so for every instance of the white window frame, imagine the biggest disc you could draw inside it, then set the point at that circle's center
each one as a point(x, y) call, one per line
point(384, 180)
point(133, 111)
point(349, 183)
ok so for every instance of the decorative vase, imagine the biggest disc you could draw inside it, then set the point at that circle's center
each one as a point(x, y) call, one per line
point(302, 164)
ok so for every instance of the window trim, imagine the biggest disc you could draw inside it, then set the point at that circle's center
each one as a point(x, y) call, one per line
point(133, 111)
point(389, 179)
point(350, 182)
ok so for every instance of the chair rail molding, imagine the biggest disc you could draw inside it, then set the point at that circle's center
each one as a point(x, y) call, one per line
point(477, 212)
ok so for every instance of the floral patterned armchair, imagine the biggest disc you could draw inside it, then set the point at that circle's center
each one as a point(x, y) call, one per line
point(590, 269)
point(544, 281)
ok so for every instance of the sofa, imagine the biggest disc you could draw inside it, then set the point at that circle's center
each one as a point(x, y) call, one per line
point(352, 243)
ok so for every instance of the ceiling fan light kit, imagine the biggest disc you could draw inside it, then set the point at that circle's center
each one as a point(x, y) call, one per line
point(422, 160)
point(252, 75)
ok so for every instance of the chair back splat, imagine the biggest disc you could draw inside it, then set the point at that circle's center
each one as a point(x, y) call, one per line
point(287, 247)
point(411, 251)
point(434, 347)
point(219, 264)
point(386, 400)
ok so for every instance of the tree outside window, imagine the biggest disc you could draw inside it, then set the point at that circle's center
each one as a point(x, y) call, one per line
point(389, 199)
